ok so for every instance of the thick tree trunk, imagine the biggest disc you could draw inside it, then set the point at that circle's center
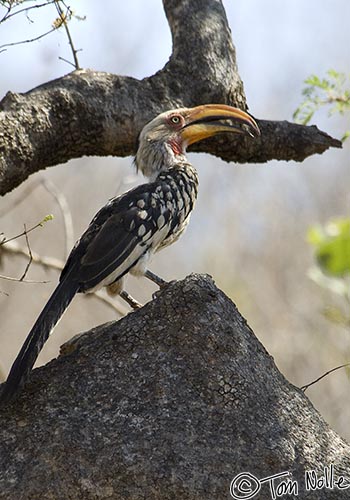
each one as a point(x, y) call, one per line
point(96, 113)
point(174, 401)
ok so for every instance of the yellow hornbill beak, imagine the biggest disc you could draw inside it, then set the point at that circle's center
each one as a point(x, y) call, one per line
point(210, 119)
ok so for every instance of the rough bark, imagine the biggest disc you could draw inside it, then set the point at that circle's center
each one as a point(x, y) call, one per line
point(171, 402)
point(95, 113)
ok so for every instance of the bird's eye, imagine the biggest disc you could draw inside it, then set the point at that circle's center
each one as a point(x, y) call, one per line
point(175, 119)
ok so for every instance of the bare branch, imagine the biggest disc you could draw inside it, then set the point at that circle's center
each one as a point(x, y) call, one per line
point(7, 13)
point(106, 112)
point(29, 40)
point(29, 254)
point(7, 16)
point(47, 262)
point(305, 387)
point(63, 18)
point(62, 204)
point(65, 211)
point(66, 61)
point(20, 280)
point(56, 264)
point(26, 231)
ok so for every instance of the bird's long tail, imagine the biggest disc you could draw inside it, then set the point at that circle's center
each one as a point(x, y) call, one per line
point(48, 318)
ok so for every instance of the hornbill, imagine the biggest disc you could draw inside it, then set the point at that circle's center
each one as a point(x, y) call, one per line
point(125, 233)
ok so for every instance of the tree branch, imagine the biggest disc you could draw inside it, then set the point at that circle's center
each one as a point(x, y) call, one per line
point(95, 113)
point(53, 263)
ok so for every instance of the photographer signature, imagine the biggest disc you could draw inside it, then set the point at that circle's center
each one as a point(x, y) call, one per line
point(245, 485)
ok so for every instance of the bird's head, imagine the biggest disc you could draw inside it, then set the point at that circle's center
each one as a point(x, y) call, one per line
point(163, 141)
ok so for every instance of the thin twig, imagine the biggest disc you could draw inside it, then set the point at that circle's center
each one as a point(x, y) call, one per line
point(63, 18)
point(7, 16)
point(47, 262)
point(27, 41)
point(65, 211)
point(52, 263)
point(39, 224)
point(10, 278)
point(29, 253)
point(66, 61)
point(305, 387)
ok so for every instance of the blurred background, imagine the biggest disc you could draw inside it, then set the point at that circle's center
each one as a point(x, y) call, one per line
point(249, 227)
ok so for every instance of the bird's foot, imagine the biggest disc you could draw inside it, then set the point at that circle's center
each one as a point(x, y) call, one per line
point(156, 294)
point(155, 278)
point(130, 300)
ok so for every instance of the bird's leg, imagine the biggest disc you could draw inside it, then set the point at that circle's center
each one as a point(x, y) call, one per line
point(134, 303)
point(130, 300)
point(116, 288)
point(156, 279)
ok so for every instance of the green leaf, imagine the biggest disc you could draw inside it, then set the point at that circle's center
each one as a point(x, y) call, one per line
point(345, 136)
point(304, 112)
point(332, 247)
point(332, 92)
point(314, 81)
point(47, 218)
point(315, 235)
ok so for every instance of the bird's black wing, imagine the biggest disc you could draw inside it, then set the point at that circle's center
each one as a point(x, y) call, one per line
point(119, 235)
